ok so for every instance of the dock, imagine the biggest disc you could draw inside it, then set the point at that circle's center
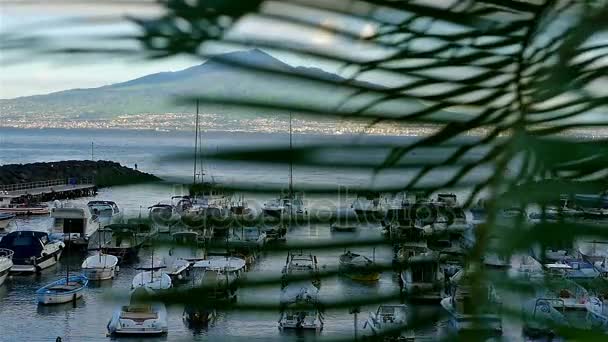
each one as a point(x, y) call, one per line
point(49, 190)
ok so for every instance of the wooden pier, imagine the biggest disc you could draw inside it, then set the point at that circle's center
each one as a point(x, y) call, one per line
point(49, 190)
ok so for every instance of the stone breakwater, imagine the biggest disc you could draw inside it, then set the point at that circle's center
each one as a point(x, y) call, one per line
point(102, 173)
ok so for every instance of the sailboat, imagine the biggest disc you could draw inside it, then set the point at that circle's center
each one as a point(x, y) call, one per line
point(101, 266)
point(210, 204)
point(64, 290)
point(152, 277)
point(291, 205)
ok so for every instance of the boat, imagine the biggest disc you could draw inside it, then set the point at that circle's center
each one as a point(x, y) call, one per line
point(300, 309)
point(139, 317)
point(187, 249)
point(74, 224)
point(597, 314)
point(285, 207)
point(5, 220)
point(368, 206)
point(220, 275)
point(247, 238)
point(343, 222)
point(33, 250)
point(125, 242)
point(240, 209)
point(64, 290)
point(468, 314)
point(152, 277)
point(180, 204)
point(21, 209)
point(358, 267)
point(229, 264)
point(571, 295)
point(6, 263)
point(573, 269)
point(196, 316)
point(163, 217)
point(301, 265)
point(540, 317)
point(211, 206)
point(105, 212)
point(389, 321)
point(100, 266)
point(426, 276)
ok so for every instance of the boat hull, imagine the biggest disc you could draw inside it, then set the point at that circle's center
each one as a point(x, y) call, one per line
point(99, 273)
point(60, 293)
point(3, 275)
point(41, 263)
point(59, 298)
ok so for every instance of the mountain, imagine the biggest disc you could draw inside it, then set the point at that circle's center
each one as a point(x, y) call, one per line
point(156, 93)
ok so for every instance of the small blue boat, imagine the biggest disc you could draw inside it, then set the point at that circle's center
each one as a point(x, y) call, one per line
point(64, 290)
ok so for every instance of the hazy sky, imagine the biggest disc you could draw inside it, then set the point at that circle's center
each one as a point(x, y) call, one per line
point(28, 73)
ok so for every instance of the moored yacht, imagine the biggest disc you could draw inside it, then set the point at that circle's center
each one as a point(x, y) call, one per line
point(74, 224)
point(426, 277)
point(285, 207)
point(33, 250)
point(6, 263)
point(123, 242)
point(105, 212)
point(162, 217)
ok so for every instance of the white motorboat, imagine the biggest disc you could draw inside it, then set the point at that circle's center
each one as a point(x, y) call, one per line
point(162, 217)
point(100, 266)
point(105, 212)
point(358, 267)
point(33, 250)
point(389, 320)
point(139, 317)
point(74, 224)
point(6, 263)
point(300, 309)
point(567, 293)
point(231, 264)
point(5, 220)
point(540, 317)
point(597, 314)
point(153, 278)
point(219, 283)
point(481, 314)
point(247, 237)
point(64, 290)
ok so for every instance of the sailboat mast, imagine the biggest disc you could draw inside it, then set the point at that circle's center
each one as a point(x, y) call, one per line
point(200, 142)
point(290, 162)
point(195, 144)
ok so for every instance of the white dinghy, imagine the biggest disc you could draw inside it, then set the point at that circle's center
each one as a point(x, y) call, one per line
point(100, 266)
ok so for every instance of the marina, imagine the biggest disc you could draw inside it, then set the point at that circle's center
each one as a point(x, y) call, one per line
point(122, 256)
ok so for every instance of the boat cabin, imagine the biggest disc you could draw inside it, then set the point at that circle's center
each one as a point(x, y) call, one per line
point(74, 223)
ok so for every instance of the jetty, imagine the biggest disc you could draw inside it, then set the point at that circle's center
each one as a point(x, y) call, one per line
point(50, 190)
point(43, 182)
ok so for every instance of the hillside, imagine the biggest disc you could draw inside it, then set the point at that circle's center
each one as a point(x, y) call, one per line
point(155, 93)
